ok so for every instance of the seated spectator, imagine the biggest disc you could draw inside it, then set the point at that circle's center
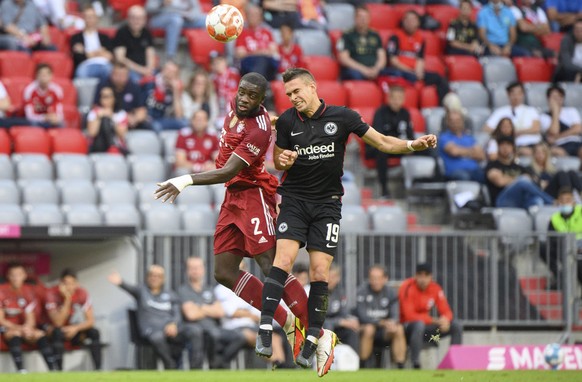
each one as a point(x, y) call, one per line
point(509, 184)
point(301, 273)
point(17, 318)
point(526, 119)
point(279, 12)
point(172, 17)
point(196, 149)
point(55, 12)
point(360, 51)
point(462, 34)
point(532, 25)
point(24, 26)
point(201, 311)
point(504, 128)
point(561, 125)
point(497, 30)
point(564, 13)
point(128, 96)
point(164, 99)
point(452, 102)
point(460, 152)
point(43, 99)
point(289, 51)
point(418, 295)
point(547, 177)
point(225, 80)
point(6, 107)
point(312, 14)
point(569, 67)
point(406, 55)
point(107, 125)
point(200, 95)
point(133, 45)
point(255, 47)
point(159, 316)
point(391, 119)
point(91, 49)
point(378, 313)
point(71, 316)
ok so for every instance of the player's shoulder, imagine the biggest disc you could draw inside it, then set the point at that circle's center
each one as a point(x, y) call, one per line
point(261, 120)
point(341, 111)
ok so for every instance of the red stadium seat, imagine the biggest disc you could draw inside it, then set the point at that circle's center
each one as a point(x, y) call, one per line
point(410, 97)
point(110, 32)
point(121, 6)
point(5, 142)
point(201, 45)
point(418, 123)
point(15, 88)
point(363, 94)
point(434, 64)
point(530, 69)
point(400, 9)
point(434, 43)
point(324, 68)
point(72, 117)
point(552, 41)
point(69, 91)
point(206, 7)
point(334, 35)
point(367, 113)
point(16, 64)
point(429, 97)
point(68, 141)
point(17, 130)
point(444, 14)
point(385, 36)
point(59, 39)
point(280, 99)
point(61, 63)
point(33, 142)
point(464, 68)
point(158, 32)
point(332, 92)
point(383, 16)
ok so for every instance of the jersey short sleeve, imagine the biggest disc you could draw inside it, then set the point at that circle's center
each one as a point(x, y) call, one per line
point(355, 123)
point(257, 139)
point(283, 124)
point(181, 140)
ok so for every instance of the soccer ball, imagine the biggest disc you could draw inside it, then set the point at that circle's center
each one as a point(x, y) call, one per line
point(224, 23)
point(554, 355)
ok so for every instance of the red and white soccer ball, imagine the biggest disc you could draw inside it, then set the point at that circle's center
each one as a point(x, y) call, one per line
point(224, 23)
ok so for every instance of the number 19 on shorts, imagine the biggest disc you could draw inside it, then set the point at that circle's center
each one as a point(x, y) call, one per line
point(332, 232)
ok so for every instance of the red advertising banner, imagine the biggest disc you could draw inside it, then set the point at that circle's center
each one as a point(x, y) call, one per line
point(36, 263)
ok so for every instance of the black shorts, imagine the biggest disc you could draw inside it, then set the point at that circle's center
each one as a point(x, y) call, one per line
point(314, 225)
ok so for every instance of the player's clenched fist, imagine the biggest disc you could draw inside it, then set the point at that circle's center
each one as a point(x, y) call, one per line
point(424, 142)
point(287, 157)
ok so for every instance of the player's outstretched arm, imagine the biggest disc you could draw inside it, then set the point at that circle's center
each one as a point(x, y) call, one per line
point(393, 145)
point(171, 188)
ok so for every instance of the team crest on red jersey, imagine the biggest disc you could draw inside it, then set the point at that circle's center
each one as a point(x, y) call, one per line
point(240, 127)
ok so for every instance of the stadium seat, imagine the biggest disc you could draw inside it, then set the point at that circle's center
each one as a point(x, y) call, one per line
point(77, 191)
point(418, 170)
point(109, 167)
point(530, 69)
point(354, 219)
point(402, 7)
point(498, 70)
point(541, 217)
point(32, 166)
point(385, 35)
point(471, 93)
point(147, 168)
point(12, 214)
point(435, 64)
point(383, 16)
point(121, 215)
point(122, 6)
point(218, 191)
point(433, 118)
point(573, 94)
point(417, 120)
point(116, 192)
point(313, 42)
point(280, 99)
point(478, 116)
point(567, 163)
point(38, 191)
point(334, 35)
point(198, 218)
point(59, 39)
point(145, 193)
point(444, 14)
point(168, 139)
point(143, 142)
point(43, 214)
point(161, 218)
point(69, 141)
point(15, 88)
point(464, 68)
point(16, 64)
point(86, 88)
point(553, 41)
point(72, 117)
point(60, 62)
point(82, 215)
point(434, 43)
point(323, 68)
point(352, 194)
point(339, 16)
point(429, 97)
point(458, 190)
point(515, 225)
point(363, 94)
point(6, 167)
point(535, 94)
point(73, 166)
point(5, 143)
point(201, 45)
point(389, 220)
point(367, 113)
point(332, 92)
point(411, 98)
point(196, 195)
point(9, 192)
point(498, 95)
point(69, 91)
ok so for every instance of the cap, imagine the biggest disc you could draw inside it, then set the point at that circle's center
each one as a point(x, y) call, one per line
point(424, 267)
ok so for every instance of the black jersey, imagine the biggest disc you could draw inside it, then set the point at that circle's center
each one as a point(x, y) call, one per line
point(320, 142)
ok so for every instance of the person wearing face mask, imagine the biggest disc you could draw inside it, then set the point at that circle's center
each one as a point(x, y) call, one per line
point(568, 219)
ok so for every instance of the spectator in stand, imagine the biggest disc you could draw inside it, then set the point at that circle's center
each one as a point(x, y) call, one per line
point(312, 14)
point(17, 318)
point(134, 47)
point(301, 273)
point(172, 16)
point(71, 314)
point(378, 312)
point(6, 108)
point(159, 317)
point(406, 55)
point(417, 296)
point(225, 80)
point(338, 318)
point(164, 99)
point(564, 13)
point(504, 128)
point(570, 57)
point(91, 49)
point(391, 119)
point(462, 34)
point(289, 51)
point(452, 102)
point(561, 125)
point(526, 119)
point(128, 96)
point(255, 47)
point(200, 95)
point(279, 12)
point(497, 30)
point(24, 26)
point(43, 99)
point(509, 184)
point(107, 125)
point(201, 311)
point(460, 151)
point(532, 25)
point(55, 12)
point(196, 149)
point(360, 51)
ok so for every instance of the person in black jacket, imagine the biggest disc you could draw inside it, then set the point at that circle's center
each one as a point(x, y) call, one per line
point(91, 50)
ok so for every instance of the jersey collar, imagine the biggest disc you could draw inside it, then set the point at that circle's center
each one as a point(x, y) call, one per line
point(318, 113)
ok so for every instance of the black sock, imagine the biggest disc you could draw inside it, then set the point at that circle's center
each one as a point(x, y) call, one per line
point(272, 293)
point(15, 347)
point(400, 365)
point(95, 347)
point(58, 341)
point(317, 309)
point(47, 352)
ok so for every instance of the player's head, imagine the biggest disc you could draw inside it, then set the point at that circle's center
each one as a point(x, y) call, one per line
point(396, 98)
point(377, 277)
point(156, 277)
point(69, 280)
point(301, 89)
point(250, 94)
point(43, 74)
point(423, 275)
point(16, 275)
point(195, 269)
point(199, 121)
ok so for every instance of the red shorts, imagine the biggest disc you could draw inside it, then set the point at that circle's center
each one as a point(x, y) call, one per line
point(246, 223)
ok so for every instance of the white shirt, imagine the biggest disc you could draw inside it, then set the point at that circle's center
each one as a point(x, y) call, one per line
point(91, 40)
point(3, 94)
point(537, 17)
point(523, 117)
point(231, 303)
point(568, 116)
point(577, 59)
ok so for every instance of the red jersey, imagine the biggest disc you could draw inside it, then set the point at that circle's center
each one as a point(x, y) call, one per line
point(290, 57)
point(249, 139)
point(255, 39)
point(80, 304)
point(408, 48)
point(17, 303)
point(38, 102)
point(199, 149)
point(415, 304)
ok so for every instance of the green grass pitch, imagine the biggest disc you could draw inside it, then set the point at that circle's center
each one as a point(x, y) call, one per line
point(301, 376)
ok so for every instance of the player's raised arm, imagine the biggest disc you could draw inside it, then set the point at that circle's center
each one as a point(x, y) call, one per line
point(283, 158)
point(393, 145)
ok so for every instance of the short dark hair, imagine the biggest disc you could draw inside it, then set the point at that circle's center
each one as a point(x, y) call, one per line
point(506, 139)
point(379, 267)
point(256, 79)
point(466, 2)
point(288, 24)
point(513, 85)
point(396, 88)
point(12, 265)
point(293, 73)
point(41, 66)
point(68, 272)
point(555, 87)
point(424, 268)
point(362, 7)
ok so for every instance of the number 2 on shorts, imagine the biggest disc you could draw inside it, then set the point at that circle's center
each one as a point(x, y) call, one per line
point(256, 222)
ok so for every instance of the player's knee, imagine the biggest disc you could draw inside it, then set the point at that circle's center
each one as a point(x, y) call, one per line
point(284, 262)
point(319, 272)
